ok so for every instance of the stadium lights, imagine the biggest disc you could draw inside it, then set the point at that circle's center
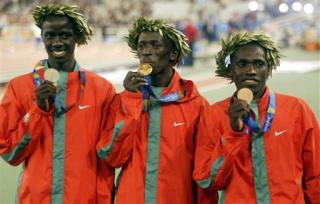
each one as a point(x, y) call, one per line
point(253, 5)
point(308, 8)
point(283, 8)
point(297, 6)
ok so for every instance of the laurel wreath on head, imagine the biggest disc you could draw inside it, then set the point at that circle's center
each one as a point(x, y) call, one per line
point(234, 42)
point(166, 30)
point(41, 12)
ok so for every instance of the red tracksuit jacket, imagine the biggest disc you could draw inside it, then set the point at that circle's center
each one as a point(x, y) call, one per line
point(156, 148)
point(282, 166)
point(58, 151)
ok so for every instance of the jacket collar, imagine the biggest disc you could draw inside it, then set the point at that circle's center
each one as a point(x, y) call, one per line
point(179, 84)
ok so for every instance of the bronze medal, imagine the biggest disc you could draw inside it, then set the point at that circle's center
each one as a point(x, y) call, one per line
point(245, 94)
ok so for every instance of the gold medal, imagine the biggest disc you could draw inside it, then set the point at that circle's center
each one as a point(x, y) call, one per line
point(145, 69)
point(51, 75)
point(245, 94)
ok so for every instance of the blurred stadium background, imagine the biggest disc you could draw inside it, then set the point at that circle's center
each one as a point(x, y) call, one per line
point(293, 24)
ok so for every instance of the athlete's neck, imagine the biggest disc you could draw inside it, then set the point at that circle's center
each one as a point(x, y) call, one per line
point(163, 79)
point(67, 66)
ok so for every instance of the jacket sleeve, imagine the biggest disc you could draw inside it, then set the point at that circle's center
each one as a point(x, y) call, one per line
point(216, 149)
point(207, 196)
point(311, 157)
point(105, 183)
point(19, 129)
point(116, 143)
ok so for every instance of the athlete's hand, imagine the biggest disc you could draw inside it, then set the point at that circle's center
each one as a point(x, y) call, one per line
point(133, 81)
point(237, 109)
point(45, 95)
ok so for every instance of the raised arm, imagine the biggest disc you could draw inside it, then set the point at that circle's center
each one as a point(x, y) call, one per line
point(20, 129)
point(216, 150)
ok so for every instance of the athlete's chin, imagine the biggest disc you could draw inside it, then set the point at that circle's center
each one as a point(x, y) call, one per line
point(59, 59)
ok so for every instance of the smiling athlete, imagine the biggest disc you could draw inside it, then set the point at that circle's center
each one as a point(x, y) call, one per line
point(267, 151)
point(53, 128)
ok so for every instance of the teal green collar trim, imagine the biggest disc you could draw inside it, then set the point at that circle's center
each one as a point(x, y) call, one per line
point(261, 180)
point(76, 66)
point(152, 167)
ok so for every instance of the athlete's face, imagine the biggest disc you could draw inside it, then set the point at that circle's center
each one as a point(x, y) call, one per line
point(157, 51)
point(249, 68)
point(59, 38)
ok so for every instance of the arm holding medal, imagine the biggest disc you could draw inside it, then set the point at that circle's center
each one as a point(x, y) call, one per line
point(136, 87)
point(134, 81)
point(239, 107)
point(45, 95)
point(237, 110)
point(20, 129)
point(115, 145)
point(216, 148)
point(224, 148)
point(46, 92)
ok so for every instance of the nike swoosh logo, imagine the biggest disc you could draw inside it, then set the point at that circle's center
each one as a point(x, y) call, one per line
point(279, 133)
point(26, 118)
point(177, 124)
point(83, 107)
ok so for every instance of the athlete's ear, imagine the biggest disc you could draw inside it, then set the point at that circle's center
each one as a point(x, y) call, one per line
point(173, 55)
point(78, 38)
point(269, 72)
point(229, 73)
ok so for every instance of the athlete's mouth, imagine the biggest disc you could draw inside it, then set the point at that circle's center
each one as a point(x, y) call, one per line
point(250, 81)
point(147, 62)
point(58, 53)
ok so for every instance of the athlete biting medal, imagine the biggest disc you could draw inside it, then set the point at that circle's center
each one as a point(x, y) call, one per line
point(145, 69)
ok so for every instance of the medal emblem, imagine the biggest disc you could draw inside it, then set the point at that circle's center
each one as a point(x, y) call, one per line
point(145, 69)
point(51, 75)
point(245, 94)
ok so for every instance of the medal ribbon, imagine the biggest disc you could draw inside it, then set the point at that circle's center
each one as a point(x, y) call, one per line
point(37, 81)
point(171, 97)
point(251, 123)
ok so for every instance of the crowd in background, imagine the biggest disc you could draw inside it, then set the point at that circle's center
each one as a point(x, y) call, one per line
point(206, 20)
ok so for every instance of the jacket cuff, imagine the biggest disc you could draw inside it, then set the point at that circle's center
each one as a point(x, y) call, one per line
point(133, 95)
point(35, 109)
point(234, 133)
